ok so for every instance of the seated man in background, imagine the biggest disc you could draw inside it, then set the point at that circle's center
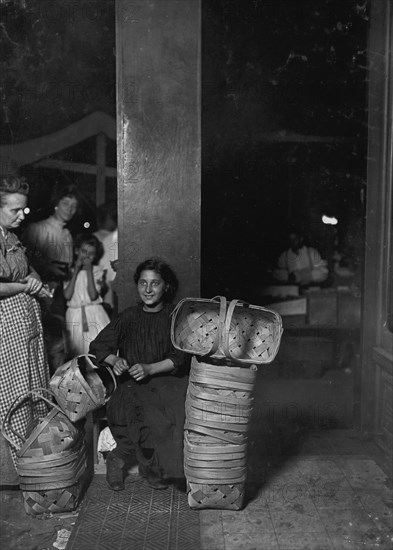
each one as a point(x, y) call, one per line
point(300, 264)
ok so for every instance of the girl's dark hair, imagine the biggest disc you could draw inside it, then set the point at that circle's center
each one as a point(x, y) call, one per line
point(89, 238)
point(13, 184)
point(163, 269)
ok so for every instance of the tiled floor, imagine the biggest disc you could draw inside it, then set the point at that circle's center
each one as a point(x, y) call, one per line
point(314, 490)
point(138, 518)
point(331, 495)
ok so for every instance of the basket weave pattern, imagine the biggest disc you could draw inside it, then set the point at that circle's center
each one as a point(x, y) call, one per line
point(50, 462)
point(241, 332)
point(48, 436)
point(79, 388)
point(253, 336)
point(52, 501)
point(218, 409)
point(196, 326)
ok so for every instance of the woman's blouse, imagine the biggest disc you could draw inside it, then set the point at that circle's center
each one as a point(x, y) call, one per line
point(13, 261)
point(139, 337)
point(48, 241)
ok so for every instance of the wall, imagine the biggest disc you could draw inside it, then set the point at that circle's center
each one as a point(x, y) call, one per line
point(158, 126)
point(376, 381)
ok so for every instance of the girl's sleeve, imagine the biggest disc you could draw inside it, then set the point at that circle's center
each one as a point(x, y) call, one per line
point(179, 359)
point(108, 340)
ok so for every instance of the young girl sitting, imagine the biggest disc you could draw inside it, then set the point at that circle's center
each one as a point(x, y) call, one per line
point(85, 315)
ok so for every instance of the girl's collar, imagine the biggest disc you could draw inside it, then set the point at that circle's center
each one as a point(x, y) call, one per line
point(149, 311)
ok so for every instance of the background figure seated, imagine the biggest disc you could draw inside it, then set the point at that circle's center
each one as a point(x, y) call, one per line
point(300, 264)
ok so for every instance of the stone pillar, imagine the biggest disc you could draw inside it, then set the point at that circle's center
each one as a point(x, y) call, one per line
point(158, 139)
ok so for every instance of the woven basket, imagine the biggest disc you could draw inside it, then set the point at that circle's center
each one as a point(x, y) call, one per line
point(81, 387)
point(241, 333)
point(53, 474)
point(44, 437)
point(218, 408)
point(54, 501)
point(51, 460)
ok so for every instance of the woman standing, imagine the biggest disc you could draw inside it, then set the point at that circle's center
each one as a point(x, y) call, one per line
point(146, 412)
point(49, 245)
point(22, 360)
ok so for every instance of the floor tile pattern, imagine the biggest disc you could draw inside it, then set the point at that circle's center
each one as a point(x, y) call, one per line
point(329, 492)
point(335, 502)
point(137, 518)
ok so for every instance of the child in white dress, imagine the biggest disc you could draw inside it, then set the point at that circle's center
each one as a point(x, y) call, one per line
point(85, 315)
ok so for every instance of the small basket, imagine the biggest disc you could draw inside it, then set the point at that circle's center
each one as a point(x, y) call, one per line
point(81, 387)
point(197, 325)
point(218, 408)
point(51, 460)
point(241, 333)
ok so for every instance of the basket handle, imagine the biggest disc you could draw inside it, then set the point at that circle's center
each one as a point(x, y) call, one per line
point(228, 319)
point(6, 421)
point(221, 321)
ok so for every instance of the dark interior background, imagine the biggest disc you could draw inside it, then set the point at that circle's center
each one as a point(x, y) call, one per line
point(284, 120)
point(284, 128)
point(58, 64)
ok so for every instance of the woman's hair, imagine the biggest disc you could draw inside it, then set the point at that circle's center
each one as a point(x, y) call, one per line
point(90, 239)
point(61, 193)
point(163, 269)
point(13, 184)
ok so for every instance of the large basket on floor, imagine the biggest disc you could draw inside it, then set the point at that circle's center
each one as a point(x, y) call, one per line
point(51, 458)
point(238, 332)
point(80, 386)
point(218, 409)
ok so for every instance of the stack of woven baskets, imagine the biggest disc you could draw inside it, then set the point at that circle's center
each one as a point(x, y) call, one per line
point(51, 460)
point(227, 342)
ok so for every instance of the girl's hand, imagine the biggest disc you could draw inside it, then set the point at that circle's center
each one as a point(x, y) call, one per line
point(78, 264)
point(87, 263)
point(139, 371)
point(120, 366)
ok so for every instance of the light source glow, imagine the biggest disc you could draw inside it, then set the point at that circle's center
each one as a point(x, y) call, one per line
point(329, 220)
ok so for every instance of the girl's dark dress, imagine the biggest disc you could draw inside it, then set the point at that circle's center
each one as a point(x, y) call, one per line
point(148, 414)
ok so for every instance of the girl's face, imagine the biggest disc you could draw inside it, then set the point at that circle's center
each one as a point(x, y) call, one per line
point(12, 210)
point(86, 252)
point(66, 208)
point(151, 289)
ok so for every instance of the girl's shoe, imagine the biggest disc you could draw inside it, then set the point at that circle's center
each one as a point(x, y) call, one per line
point(153, 480)
point(114, 472)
